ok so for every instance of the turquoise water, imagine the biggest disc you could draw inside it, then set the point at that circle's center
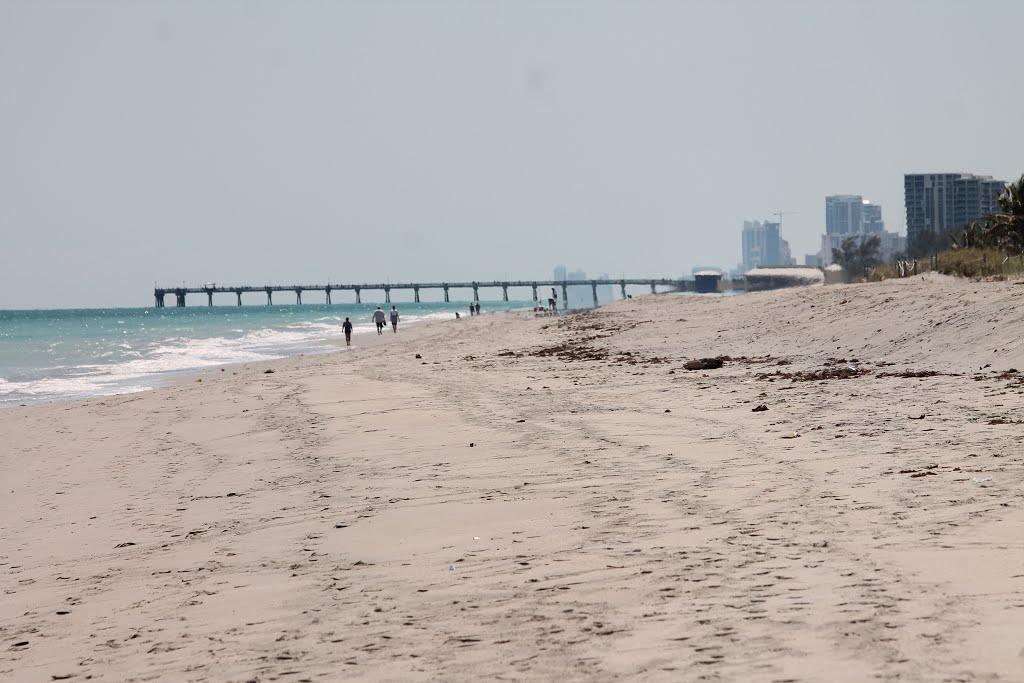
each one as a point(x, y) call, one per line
point(73, 354)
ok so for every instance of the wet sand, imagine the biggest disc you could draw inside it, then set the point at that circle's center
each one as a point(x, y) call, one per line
point(542, 498)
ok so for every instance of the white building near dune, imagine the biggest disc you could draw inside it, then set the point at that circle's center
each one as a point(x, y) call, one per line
point(775, 278)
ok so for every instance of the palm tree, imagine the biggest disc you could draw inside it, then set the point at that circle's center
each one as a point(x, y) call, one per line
point(1003, 230)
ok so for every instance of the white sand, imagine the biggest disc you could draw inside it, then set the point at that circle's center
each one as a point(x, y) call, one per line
point(331, 520)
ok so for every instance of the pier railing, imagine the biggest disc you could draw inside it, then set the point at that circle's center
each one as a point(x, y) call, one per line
point(209, 290)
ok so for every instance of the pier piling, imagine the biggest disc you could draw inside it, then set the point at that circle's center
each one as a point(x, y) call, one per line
point(446, 293)
point(416, 294)
point(593, 286)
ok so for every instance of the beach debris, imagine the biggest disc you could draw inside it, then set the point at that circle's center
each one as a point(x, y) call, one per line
point(339, 525)
point(919, 417)
point(200, 380)
point(418, 356)
point(759, 408)
point(790, 435)
point(268, 371)
point(705, 363)
point(451, 567)
point(667, 410)
point(845, 372)
point(913, 373)
point(471, 444)
point(571, 351)
point(125, 544)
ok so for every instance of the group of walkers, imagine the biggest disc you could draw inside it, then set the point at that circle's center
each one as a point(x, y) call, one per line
point(379, 319)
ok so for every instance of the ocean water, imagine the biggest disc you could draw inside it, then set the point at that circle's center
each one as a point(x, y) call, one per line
point(72, 354)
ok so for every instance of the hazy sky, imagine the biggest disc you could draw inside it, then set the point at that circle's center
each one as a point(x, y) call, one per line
point(258, 142)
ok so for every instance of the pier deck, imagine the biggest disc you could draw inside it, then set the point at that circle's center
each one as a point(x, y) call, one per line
point(179, 293)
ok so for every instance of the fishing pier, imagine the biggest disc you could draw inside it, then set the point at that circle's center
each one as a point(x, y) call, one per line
point(675, 285)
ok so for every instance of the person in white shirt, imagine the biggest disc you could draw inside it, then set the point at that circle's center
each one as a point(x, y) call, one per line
point(378, 318)
point(394, 320)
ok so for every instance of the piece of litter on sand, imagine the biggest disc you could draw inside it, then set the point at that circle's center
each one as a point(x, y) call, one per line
point(759, 409)
point(451, 567)
point(791, 435)
point(476, 538)
point(981, 481)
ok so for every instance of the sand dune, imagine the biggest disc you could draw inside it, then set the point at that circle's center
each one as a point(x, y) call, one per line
point(533, 499)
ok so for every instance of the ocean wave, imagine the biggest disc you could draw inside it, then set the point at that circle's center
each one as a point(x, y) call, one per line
point(105, 365)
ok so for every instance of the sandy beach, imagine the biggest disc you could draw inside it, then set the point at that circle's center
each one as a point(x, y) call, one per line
point(512, 498)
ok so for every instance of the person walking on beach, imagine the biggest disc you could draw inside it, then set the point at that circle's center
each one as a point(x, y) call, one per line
point(394, 320)
point(347, 328)
point(477, 306)
point(378, 318)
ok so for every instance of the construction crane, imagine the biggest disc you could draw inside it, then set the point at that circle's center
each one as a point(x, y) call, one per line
point(780, 213)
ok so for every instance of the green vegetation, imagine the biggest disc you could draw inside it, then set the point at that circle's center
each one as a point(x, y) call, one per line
point(963, 262)
point(856, 255)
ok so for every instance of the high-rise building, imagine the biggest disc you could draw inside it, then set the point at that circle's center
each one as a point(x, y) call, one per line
point(843, 214)
point(941, 202)
point(871, 218)
point(851, 214)
point(764, 246)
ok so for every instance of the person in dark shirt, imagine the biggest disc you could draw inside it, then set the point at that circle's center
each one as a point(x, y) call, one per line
point(347, 327)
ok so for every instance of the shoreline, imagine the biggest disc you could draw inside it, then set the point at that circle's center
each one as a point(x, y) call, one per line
point(155, 380)
point(541, 498)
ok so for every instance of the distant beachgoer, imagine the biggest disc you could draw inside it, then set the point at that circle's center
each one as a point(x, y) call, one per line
point(394, 320)
point(379, 318)
point(457, 315)
point(347, 327)
point(477, 305)
point(471, 310)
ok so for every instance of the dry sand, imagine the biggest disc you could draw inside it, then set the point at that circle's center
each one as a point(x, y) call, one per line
point(550, 498)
